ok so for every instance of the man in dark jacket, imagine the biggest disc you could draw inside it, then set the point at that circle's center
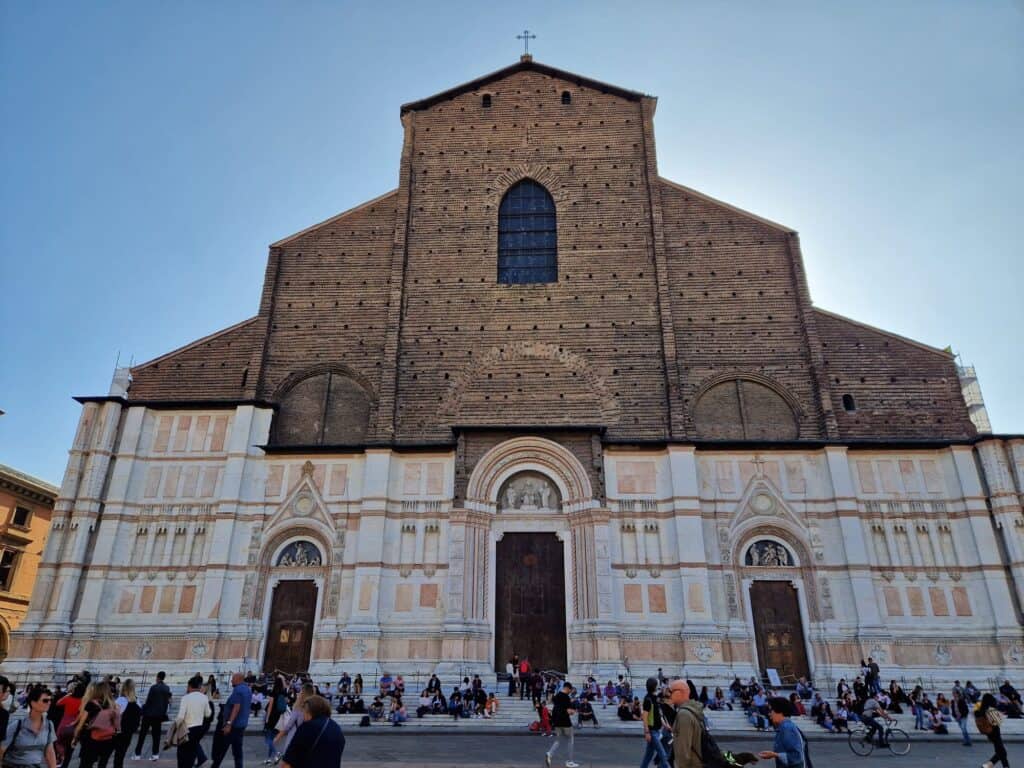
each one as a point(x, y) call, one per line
point(154, 713)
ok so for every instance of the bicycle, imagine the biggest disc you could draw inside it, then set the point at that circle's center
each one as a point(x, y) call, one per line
point(896, 739)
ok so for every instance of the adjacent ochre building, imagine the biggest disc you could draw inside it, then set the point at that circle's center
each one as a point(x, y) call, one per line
point(26, 505)
point(537, 400)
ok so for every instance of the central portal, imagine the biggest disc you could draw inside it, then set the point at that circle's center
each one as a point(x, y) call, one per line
point(530, 601)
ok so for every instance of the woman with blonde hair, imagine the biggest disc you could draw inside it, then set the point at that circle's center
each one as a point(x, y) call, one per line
point(290, 720)
point(131, 716)
point(97, 725)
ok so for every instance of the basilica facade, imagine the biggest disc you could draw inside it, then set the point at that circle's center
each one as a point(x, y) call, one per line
point(536, 400)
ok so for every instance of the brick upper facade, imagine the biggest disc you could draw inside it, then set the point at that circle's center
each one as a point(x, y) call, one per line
point(664, 299)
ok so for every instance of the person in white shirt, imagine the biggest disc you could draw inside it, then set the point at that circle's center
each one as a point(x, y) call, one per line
point(193, 712)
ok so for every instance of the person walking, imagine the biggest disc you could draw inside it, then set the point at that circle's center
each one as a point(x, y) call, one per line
point(235, 717)
point(561, 719)
point(98, 721)
point(276, 706)
point(653, 725)
point(193, 714)
point(961, 711)
point(70, 706)
point(319, 741)
point(290, 721)
point(788, 749)
point(131, 716)
point(686, 730)
point(30, 741)
point(154, 714)
point(989, 719)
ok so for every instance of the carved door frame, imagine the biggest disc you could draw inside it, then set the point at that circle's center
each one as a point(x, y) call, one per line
point(797, 583)
point(557, 524)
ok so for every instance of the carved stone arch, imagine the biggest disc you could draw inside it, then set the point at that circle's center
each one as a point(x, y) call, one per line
point(539, 173)
point(782, 531)
point(529, 453)
point(744, 405)
point(574, 366)
point(310, 530)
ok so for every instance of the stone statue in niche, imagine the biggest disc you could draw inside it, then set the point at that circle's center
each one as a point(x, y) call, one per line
point(299, 554)
point(529, 492)
point(768, 554)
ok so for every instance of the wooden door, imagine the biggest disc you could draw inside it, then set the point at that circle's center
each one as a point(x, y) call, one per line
point(778, 629)
point(292, 617)
point(530, 601)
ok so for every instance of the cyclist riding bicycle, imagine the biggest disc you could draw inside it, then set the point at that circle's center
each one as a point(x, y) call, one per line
point(872, 712)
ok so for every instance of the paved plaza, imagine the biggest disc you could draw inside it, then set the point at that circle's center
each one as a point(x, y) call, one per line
point(411, 749)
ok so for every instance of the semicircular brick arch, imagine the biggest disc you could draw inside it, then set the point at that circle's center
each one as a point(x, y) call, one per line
point(536, 453)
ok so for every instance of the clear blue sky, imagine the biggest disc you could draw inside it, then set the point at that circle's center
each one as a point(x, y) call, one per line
point(153, 150)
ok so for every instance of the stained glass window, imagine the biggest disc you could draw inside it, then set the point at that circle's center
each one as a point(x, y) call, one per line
point(527, 238)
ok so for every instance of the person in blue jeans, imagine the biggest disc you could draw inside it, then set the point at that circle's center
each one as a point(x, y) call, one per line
point(653, 725)
point(235, 717)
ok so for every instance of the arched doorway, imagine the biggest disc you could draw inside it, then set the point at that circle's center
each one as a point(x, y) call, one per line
point(290, 631)
point(529, 601)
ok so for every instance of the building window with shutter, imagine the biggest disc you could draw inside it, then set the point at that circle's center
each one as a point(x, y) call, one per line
point(527, 235)
point(8, 562)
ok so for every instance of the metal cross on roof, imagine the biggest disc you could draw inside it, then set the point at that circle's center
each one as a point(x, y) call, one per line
point(526, 37)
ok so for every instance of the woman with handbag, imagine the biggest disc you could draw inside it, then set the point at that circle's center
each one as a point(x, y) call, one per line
point(97, 724)
point(30, 741)
point(988, 719)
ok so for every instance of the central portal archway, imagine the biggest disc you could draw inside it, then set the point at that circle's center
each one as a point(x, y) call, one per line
point(530, 601)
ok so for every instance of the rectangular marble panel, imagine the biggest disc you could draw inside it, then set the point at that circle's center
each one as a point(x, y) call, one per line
point(724, 476)
point(915, 597)
point(188, 599)
point(908, 471)
point(181, 432)
point(961, 601)
point(656, 598)
point(866, 476)
point(932, 478)
point(795, 479)
point(695, 597)
point(633, 598)
point(893, 603)
point(220, 430)
point(209, 482)
point(339, 479)
point(403, 598)
point(127, 601)
point(411, 479)
point(428, 595)
point(147, 599)
point(937, 596)
point(887, 474)
point(275, 477)
point(168, 597)
point(153, 475)
point(162, 434)
point(365, 595)
point(636, 476)
point(199, 433)
point(171, 476)
point(435, 478)
point(189, 481)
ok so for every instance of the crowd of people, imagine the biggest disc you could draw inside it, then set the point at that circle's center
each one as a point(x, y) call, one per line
point(101, 719)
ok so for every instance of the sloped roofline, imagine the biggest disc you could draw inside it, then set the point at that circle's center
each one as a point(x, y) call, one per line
point(194, 344)
point(716, 201)
point(336, 217)
point(890, 334)
point(524, 64)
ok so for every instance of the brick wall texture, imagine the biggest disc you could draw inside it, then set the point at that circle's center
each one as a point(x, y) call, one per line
point(674, 316)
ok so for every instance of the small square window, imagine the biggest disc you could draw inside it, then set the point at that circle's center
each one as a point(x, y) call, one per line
point(8, 559)
point(21, 517)
point(566, 97)
point(485, 102)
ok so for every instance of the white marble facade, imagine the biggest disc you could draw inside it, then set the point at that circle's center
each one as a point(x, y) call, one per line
point(915, 557)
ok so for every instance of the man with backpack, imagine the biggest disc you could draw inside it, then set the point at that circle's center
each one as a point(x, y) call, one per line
point(692, 745)
point(653, 724)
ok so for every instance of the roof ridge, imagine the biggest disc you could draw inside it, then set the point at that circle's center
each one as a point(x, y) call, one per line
point(523, 65)
point(876, 329)
point(730, 206)
point(196, 343)
point(288, 238)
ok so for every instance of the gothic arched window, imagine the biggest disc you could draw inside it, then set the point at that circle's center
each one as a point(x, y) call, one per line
point(527, 238)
